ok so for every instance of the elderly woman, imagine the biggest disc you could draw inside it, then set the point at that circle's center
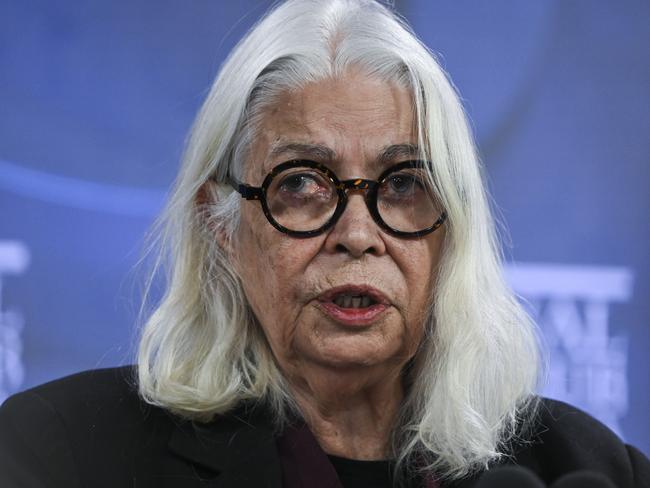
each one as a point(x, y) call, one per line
point(335, 313)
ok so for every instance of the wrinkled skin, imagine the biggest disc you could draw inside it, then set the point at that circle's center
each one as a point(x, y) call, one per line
point(347, 379)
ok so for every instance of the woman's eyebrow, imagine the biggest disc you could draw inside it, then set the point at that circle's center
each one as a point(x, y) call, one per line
point(387, 154)
point(390, 154)
point(316, 151)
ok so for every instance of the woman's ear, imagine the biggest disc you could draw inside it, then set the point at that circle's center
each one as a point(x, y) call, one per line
point(206, 197)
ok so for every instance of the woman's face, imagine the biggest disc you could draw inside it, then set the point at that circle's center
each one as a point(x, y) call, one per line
point(297, 287)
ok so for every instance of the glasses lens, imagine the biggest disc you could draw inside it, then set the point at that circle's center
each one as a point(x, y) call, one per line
point(301, 199)
point(405, 200)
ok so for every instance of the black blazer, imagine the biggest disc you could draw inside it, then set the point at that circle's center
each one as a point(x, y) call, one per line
point(92, 430)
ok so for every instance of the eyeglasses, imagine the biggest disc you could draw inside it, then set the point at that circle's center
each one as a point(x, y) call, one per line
point(304, 198)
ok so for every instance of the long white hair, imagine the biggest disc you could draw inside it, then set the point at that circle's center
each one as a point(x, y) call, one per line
point(473, 379)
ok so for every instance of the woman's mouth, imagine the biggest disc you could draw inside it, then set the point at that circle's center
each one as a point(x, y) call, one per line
point(353, 305)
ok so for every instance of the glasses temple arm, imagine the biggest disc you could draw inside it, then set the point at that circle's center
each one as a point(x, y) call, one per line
point(246, 191)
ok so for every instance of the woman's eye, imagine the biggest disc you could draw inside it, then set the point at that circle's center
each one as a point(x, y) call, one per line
point(302, 183)
point(402, 183)
point(294, 183)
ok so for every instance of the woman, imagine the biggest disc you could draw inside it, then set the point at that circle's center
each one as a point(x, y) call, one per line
point(335, 313)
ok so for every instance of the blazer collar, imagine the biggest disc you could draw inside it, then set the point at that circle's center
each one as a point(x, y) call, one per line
point(240, 448)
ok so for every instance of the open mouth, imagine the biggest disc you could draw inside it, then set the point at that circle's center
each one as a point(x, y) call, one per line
point(346, 300)
point(353, 305)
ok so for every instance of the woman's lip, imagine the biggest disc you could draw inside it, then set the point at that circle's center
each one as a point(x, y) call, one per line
point(377, 296)
point(353, 316)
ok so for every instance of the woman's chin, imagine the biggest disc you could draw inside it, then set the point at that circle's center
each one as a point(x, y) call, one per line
point(352, 353)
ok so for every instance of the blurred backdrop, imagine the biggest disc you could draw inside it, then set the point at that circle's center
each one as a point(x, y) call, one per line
point(96, 98)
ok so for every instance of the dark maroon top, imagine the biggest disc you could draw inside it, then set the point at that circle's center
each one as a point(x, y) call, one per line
point(304, 463)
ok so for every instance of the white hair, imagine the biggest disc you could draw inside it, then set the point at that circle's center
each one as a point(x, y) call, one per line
point(474, 377)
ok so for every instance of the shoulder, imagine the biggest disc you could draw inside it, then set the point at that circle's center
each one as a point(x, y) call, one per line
point(80, 400)
point(563, 439)
point(560, 422)
point(82, 423)
point(86, 386)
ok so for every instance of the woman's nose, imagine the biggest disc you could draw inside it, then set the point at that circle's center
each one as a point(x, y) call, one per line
point(355, 232)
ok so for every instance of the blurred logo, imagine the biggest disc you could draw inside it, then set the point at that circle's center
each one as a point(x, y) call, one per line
point(14, 259)
point(588, 361)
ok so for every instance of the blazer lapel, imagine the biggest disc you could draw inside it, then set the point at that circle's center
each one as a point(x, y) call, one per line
point(232, 451)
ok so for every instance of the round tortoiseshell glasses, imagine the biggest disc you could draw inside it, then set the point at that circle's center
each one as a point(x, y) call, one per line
point(304, 198)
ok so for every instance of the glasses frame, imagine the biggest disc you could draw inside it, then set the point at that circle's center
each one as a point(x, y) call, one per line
point(342, 187)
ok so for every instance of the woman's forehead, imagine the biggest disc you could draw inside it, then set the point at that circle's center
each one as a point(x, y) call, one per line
point(355, 117)
point(352, 101)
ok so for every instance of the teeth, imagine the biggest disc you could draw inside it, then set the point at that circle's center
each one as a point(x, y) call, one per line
point(350, 301)
point(346, 301)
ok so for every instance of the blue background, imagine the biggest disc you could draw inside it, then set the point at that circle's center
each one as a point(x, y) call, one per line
point(96, 99)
